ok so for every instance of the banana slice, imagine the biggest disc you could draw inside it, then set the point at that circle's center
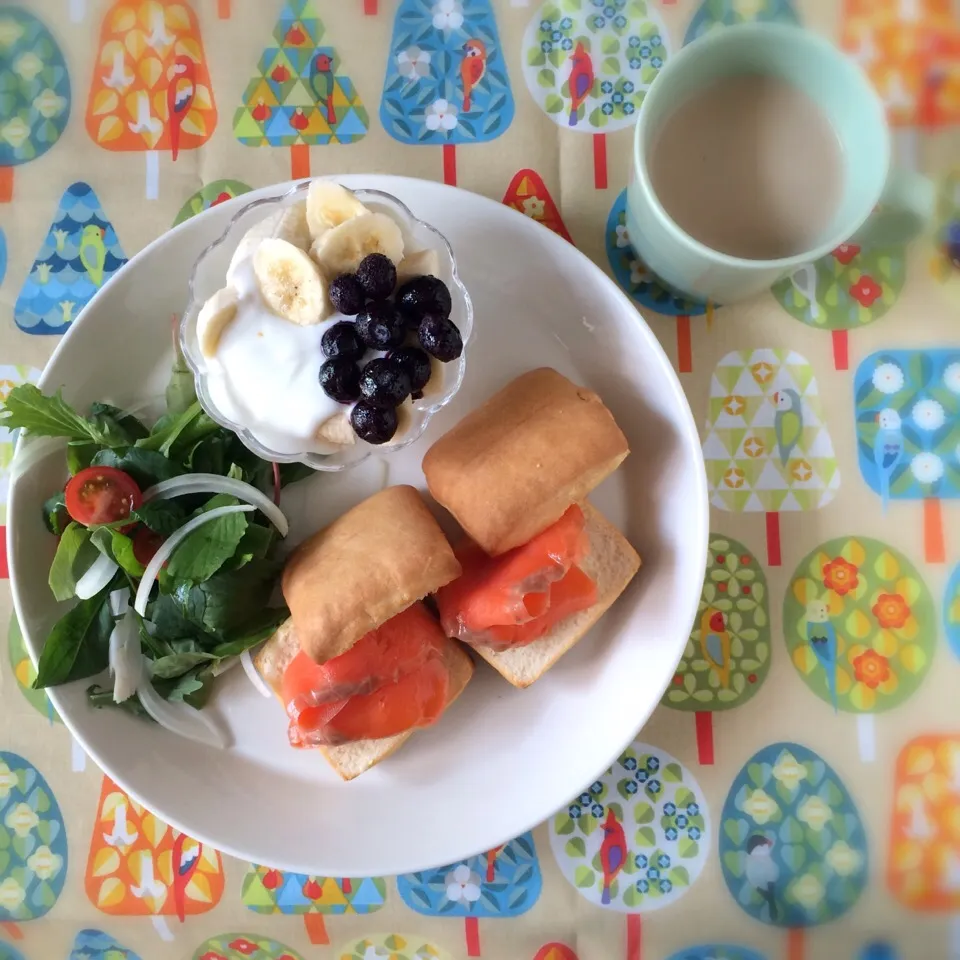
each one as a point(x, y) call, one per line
point(290, 282)
point(291, 225)
point(337, 430)
point(422, 263)
point(329, 205)
point(341, 249)
point(214, 317)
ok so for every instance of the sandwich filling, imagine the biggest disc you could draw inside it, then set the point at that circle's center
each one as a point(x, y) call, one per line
point(518, 597)
point(391, 680)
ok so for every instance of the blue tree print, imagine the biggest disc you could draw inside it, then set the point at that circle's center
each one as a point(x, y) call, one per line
point(79, 255)
point(727, 13)
point(97, 945)
point(503, 882)
point(717, 951)
point(446, 81)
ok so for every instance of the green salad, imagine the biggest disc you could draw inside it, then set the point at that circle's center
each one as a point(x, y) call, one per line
point(168, 537)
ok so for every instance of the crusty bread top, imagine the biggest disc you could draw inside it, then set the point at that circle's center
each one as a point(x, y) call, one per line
point(366, 567)
point(514, 465)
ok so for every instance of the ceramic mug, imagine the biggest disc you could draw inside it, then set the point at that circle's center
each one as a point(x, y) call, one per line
point(844, 93)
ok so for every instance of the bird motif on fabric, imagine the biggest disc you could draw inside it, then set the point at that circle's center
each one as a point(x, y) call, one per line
point(822, 637)
point(322, 84)
point(787, 422)
point(581, 80)
point(762, 872)
point(181, 90)
point(472, 68)
point(93, 252)
point(887, 450)
point(186, 858)
point(715, 644)
point(613, 853)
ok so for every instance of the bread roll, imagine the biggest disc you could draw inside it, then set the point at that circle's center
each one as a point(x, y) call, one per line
point(513, 466)
point(366, 567)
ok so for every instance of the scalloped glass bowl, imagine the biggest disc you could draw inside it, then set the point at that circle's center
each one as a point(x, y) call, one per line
point(209, 275)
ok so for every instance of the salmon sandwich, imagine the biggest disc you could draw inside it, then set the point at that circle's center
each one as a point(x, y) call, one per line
point(540, 564)
point(361, 663)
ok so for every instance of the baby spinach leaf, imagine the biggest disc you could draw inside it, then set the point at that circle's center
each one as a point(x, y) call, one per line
point(103, 697)
point(205, 551)
point(119, 548)
point(257, 629)
point(74, 555)
point(80, 455)
point(147, 467)
point(161, 516)
point(255, 543)
point(116, 422)
point(166, 430)
point(176, 664)
point(77, 646)
point(55, 516)
point(181, 393)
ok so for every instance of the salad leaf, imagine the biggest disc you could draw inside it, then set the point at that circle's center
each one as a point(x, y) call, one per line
point(176, 664)
point(161, 516)
point(74, 555)
point(80, 454)
point(183, 432)
point(119, 548)
point(110, 418)
point(55, 516)
point(205, 551)
point(103, 697)
point(255, 630)
point(78, 645)
point(181, 393)
point(27, 408)
point(147, 467)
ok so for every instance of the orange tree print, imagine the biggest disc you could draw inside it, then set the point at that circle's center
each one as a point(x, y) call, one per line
point(859, 625)
point(140, 866)
point(151, 87)
point(924, 854)
point(528, 194)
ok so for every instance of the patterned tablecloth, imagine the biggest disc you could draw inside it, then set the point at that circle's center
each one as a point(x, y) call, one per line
point(819, 820)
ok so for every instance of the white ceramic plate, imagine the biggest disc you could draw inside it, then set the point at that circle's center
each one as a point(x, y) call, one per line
point(501, 760)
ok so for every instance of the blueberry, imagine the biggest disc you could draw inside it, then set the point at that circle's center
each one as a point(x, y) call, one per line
point(346, 294)
point(380, 326)
point(424, 295)
point(340, 380)
point(384, 383)
point(440, 338)
point(373, 424)
point(377, 275)
point(417, 365)
point(342, 340)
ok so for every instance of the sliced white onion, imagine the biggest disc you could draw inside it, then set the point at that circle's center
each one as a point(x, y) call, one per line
point(178, 717)
point(125, 657)
point(213, 483)
point(167, 548)
point(31, 450)
point(253, 675)
point(98, 575)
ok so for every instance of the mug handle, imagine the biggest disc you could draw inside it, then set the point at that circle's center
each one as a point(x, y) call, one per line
point(906, 207)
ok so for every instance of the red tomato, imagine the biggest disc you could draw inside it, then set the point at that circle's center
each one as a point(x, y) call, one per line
point(145, 544)
point(101, 495)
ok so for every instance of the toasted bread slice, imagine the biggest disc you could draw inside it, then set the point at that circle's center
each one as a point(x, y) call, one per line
point(612, 563)
point(351, 759)
point(513, 466)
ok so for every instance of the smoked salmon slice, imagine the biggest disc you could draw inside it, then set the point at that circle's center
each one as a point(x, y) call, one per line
point(511, 589)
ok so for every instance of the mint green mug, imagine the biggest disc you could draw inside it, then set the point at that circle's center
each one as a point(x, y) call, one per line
point(844, 93)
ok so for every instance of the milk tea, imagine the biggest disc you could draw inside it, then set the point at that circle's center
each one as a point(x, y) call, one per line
point(749, 166)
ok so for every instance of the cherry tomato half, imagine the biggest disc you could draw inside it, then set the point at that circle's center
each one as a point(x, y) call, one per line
point(145, 544)
point(101, 495)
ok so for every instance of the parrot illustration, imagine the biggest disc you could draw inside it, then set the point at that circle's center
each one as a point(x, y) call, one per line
point(322, 84)
point(787, 422)
point(581, 80)
point(823, 643)
point(491, 856)
point(761, 871)
point(887, 449)
point(715, 644)
point(93, 253)
point(613, 853)
point(185, 862)
point(472, 68)
point(181, 90)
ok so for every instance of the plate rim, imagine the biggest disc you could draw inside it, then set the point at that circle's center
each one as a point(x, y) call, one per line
point(689, 438)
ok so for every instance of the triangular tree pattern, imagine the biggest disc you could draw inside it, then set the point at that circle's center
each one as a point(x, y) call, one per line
point(270, 891)
point(34, 92)
point(97, 945)
point(140, 866)
point(150, 89)
point(391, 946)
point(298, 96)
point(80, 254)
point(216, 192)
point(727, 13)
point(243, 946)
point(25, 672)
point(529, 195)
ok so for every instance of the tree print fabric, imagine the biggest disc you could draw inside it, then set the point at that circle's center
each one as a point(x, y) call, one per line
point(33, 842)
point(859, 624)
point(219, 191)
point(25, 672)
point(391, 946)
point(951, 611)
point(244, 946)
point(528, 194)
point(589, 63)
point(638, 837)
point(97, 945)
point(727, 13)
point(792, 845)
point(79, 255)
